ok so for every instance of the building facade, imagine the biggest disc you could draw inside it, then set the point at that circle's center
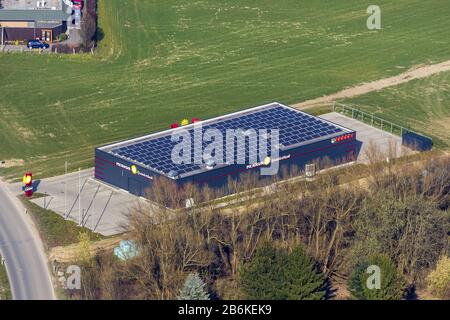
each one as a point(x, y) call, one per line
point(19, 23)
point(129, 166)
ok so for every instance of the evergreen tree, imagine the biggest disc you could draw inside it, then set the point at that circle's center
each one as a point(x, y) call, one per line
point(392, 283)
point(261, 278)
point(354, 281)
point(276, 275)
point(193, 289)
point(303, 281)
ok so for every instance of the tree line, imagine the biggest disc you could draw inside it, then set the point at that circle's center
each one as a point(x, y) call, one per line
point(292, 243)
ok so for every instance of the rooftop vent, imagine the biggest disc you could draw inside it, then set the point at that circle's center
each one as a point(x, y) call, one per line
point(210, 164)
point(40, 4)
point(173, 174)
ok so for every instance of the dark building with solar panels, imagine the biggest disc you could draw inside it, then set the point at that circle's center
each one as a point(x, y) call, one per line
point(302, 139)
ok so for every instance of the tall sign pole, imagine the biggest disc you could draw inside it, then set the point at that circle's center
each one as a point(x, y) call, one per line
point(65, 190)
point(28, 182)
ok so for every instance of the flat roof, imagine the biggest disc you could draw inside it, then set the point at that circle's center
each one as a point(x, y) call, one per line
point(26, 10)
point(32, 4)
point(33, 15)
point(296, 128)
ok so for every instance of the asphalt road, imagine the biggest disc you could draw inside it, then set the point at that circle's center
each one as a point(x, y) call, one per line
point(22, 251)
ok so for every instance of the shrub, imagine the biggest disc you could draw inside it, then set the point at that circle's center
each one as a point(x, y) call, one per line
point(276, 275)
point(303, 281)
point(261, 277)
point(438, 280)
point(193, 289)
point(392, 283)
point(62, 37)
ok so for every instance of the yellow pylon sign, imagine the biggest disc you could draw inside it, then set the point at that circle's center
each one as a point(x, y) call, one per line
point(26, 179)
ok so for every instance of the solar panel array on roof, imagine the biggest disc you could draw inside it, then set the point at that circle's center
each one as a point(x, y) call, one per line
point(295, 128)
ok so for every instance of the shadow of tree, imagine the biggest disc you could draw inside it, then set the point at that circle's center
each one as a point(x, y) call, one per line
point(99, 35)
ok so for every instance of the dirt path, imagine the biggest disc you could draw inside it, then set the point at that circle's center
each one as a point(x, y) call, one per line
point(69, 253)
point(418, 72)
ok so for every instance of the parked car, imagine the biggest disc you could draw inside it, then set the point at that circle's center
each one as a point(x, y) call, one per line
point(37, 44)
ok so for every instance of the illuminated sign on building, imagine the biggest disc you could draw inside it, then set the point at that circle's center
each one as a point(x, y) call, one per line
point(134, 170)
point(267, 161)
point(343, 138)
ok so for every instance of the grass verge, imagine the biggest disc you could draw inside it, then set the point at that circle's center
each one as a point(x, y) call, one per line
point(5, 290)
point(54, 229)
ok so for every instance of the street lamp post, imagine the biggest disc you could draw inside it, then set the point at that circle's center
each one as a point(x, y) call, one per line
point(79, 198)
point(65, 190)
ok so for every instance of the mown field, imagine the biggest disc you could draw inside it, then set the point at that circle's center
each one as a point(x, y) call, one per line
point(161, 61)
point(422, 105)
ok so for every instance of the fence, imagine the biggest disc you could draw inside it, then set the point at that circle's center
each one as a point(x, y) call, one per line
point(374, 121)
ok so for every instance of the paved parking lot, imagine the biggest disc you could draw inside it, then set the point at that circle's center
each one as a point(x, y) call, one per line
point(102, 209)
point(386, 143)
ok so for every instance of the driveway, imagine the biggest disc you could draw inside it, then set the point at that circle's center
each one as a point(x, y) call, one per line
point(74, 39)
point(23, 48)
point(386, 144)
point(101, 208)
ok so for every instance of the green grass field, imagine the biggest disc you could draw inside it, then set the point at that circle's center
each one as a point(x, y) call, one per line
point(162, 61)
point(5, 290)
point(422, 105)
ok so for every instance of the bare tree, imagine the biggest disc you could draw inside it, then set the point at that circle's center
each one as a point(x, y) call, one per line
point(88, 28)
point(400, 211)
